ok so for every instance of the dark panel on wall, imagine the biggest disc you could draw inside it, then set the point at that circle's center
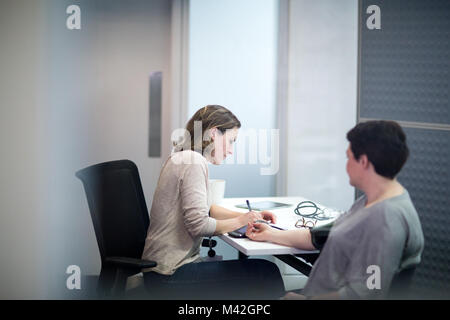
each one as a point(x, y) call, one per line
point(405, 65)
point(404, 75)
point(154, 139)
point(426, 175)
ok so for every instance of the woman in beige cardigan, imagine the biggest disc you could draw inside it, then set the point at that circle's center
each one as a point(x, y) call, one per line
point(181, 215)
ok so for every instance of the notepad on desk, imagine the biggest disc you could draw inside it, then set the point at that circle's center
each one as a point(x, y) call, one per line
point(264, 205)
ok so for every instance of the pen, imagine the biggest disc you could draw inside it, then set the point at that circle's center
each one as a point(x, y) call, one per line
point(248, 205)
point(272, 225)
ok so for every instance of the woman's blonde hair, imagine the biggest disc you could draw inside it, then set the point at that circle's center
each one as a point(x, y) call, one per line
point(206, 118)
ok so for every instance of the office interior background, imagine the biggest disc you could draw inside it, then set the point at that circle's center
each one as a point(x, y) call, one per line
point(71, 98)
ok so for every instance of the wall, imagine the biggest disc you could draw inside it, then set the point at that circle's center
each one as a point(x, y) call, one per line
point(322, 87)
point(321, 104)
point(22, 236)
point(71, 98)
point(232, 62)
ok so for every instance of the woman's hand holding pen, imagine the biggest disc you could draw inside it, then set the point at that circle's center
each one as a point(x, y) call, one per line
point(251, 216)
point(254, 216)
point(269, 216)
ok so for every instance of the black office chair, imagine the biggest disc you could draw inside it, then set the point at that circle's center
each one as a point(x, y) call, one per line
point(120, 218)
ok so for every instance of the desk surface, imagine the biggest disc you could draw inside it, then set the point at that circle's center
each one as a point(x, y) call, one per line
point(286, 219)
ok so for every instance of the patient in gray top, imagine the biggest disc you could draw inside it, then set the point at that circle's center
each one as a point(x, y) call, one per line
point(380, 235)
point(384, 238)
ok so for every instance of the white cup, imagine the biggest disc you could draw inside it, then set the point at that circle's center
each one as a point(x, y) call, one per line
point(216, 190)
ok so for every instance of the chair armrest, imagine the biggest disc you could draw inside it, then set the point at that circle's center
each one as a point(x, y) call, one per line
point(130, 262)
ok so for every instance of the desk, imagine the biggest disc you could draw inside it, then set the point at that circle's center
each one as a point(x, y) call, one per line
point(286, 219)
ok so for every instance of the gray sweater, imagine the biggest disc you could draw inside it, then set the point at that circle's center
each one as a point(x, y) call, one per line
point(179, 216)
point(388, 235)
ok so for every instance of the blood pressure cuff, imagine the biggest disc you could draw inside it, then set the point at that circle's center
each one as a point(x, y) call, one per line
point(319, 235)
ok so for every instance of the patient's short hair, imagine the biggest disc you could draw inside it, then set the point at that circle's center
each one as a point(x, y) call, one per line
point(384, 144)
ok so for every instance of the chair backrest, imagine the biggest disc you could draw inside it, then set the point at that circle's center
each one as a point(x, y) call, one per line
point(117, 206)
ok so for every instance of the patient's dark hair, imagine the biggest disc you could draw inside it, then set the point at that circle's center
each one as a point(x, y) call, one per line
point(384, 144)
